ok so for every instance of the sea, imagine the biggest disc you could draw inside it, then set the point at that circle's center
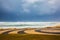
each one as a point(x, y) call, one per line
point(5, 25)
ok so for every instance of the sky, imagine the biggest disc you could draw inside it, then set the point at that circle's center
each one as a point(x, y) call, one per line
point(29, 10)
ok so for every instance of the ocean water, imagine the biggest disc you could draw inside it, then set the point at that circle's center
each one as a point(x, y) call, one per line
point(27, 24)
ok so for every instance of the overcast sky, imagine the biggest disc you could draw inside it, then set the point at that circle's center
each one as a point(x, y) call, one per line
point(30, 10)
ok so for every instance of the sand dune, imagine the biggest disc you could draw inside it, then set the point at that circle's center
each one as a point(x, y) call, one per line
point(31, 32)
point(45, 31)
point(14, 32)
point(1, 32)
point(17, 32)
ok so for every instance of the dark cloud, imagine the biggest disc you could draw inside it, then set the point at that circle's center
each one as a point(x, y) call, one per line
point(33, 10)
